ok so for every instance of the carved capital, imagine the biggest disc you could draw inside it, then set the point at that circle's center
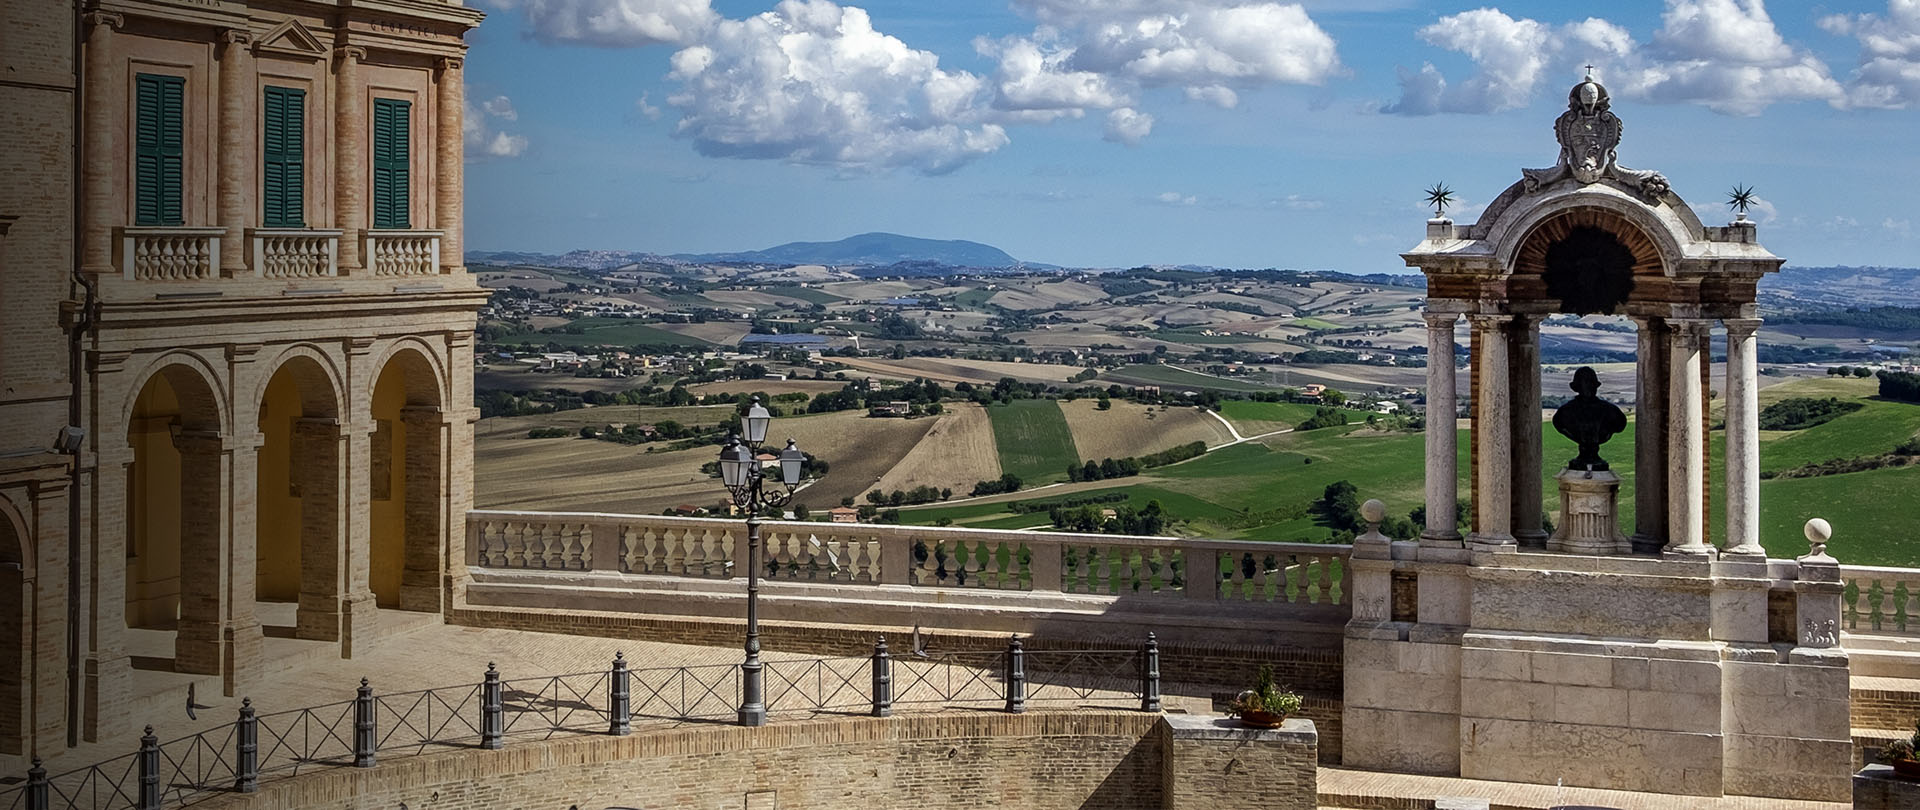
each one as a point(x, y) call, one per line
point(1741, 327)
point(350, 53)
point(237, 36)
point(1689, 328)
point(1441, 321)
point(450, 63)
point(1490, 322)
point(95, 19)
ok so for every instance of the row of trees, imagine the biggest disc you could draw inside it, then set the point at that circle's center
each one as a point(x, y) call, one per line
point(1132, 465)
point(1900, 385)
point(899, 497)
point(1150, 519)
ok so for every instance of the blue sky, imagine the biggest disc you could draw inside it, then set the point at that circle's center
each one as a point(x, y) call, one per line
point(1239, 133)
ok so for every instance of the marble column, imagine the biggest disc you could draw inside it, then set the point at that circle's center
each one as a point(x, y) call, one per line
point(1743, 438)
point(1650, 437)
point(1523, 372)
point(449, 164)
point(349, 155)
point(1443, 452)
point(101, 162)
point(236, 132)
point(1493, 505)
point(1686, 440)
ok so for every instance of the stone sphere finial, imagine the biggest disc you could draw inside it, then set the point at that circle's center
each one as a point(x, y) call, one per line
point(1818, 532)
point(1373, 511)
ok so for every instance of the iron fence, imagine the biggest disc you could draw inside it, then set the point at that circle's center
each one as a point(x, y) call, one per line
point(235, 757)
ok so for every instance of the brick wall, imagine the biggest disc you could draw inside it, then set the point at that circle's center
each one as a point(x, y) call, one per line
point(1042, 760)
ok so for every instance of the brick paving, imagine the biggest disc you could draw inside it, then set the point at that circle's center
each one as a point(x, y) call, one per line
point(1346, 788)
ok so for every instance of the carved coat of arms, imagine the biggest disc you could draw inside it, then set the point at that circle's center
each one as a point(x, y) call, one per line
point(1589, 134)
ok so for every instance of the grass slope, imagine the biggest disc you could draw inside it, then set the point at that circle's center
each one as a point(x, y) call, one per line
point(1252, 418)
point(1033, 439)
point(1175, 377)
point(605, 332)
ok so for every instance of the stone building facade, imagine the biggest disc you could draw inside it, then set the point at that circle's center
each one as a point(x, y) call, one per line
point(253, 225)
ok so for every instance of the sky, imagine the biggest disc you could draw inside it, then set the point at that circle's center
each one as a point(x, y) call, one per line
point(1116, 133)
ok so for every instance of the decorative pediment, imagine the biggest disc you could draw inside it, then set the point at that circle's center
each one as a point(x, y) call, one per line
point(290, 38)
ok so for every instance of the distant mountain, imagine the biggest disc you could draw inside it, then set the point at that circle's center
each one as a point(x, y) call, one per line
point(871, 249)
point(1796, 289)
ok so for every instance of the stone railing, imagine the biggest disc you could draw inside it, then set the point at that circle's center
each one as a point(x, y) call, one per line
point(1883, 601)
point(170, 254)
point(294, 253)
point(1159, 568)
point(402, 253)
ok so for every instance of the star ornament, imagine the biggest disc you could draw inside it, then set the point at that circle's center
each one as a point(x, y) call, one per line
point(1740, 198)
point(1439, 197)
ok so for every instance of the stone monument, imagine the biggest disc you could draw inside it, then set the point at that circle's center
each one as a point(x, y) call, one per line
point(1661, 664)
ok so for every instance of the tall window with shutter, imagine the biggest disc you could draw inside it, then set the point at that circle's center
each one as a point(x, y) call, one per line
point(157, 153)
point(283, 197)
point(390, 153)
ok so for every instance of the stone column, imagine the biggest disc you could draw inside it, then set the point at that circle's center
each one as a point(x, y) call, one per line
point(1523, 370)
point(236, 132)
point(1493, 507)
point(425, 534)
point(317, 447)
point(1443, 452)
point(101, 162)
point(1686, 441)
point(106, 669)
point(449, 169)
point(240, 626)
point(1743, 438)
point(349, 155)
point(1650, 437)
point(198, 643)
point(358, 611)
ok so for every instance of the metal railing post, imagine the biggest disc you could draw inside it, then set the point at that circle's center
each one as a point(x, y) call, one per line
point(37, 786)
point(619, 699)
point(1150, 676)
point(1016, 677)
point(492, 719)
point(149, 771)
point(246, 735)
point(882, 679)
point(363, 730)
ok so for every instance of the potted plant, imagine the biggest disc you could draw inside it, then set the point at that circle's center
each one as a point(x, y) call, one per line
point(1265, 705)
point(1900, 754)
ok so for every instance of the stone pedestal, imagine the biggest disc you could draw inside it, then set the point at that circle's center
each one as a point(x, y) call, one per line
point(1589, 514)
point(1876, 788)
point(1215, 763)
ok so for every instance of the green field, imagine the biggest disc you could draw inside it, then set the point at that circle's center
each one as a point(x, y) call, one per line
point(1870, 431)
point(975, 298)
point(1195, 338)
point(1176, 377)
point(1871, 513)
point(1311, 322)
point(1033, 440)
point(807, 294)
point(1261, 417)
point(618, 332)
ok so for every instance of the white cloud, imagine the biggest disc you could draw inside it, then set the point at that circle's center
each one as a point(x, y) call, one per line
point(1129, 126)
point(1195, 43)
point(647, 108)
point(1218, 96)
point(1296, 202)
point(812, 82)
point(1033, 78)
point(1724, 54)
point(614, 23)
point(1889, 72)
point(1175, 198)
point(480, 135)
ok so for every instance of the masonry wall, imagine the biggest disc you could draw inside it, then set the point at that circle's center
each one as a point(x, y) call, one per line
point(1043, 760)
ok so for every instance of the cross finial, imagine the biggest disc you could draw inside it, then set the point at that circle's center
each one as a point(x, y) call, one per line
point(1589, 71)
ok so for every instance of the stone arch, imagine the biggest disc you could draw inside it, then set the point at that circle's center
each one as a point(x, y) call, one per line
point(408, 522)
point(176, 509)
point(16, 630)
point(299, 516)
point(1667, 232)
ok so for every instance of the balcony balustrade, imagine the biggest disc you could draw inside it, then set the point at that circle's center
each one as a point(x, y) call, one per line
point(402, 253)
point(295, 253)
point(170, 254)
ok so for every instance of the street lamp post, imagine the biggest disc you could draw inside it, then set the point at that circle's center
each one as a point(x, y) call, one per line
point(745, 478)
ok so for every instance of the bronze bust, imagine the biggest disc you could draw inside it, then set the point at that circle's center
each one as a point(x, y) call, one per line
point(1588, 420)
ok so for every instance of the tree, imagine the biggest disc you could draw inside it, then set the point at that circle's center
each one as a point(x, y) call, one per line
point(1339, 506)
point(589, 432)
point(801, 512)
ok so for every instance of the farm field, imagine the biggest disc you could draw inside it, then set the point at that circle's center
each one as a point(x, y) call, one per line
point(1176, 377)
point(957, 371)
point(768, 387)
point(719, 334)
point(516, 377)
point(1130, 429)
point(1033, 439)
point(1253, 418)
point(615, 332)
point(955, 453)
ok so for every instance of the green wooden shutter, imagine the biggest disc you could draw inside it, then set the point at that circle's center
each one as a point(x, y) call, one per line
point(390, 167)
point(283, 201)
point(157, 154)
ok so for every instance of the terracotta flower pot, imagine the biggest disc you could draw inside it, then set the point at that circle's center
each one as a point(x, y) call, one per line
point(1262, 719)
point(1909, 768)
